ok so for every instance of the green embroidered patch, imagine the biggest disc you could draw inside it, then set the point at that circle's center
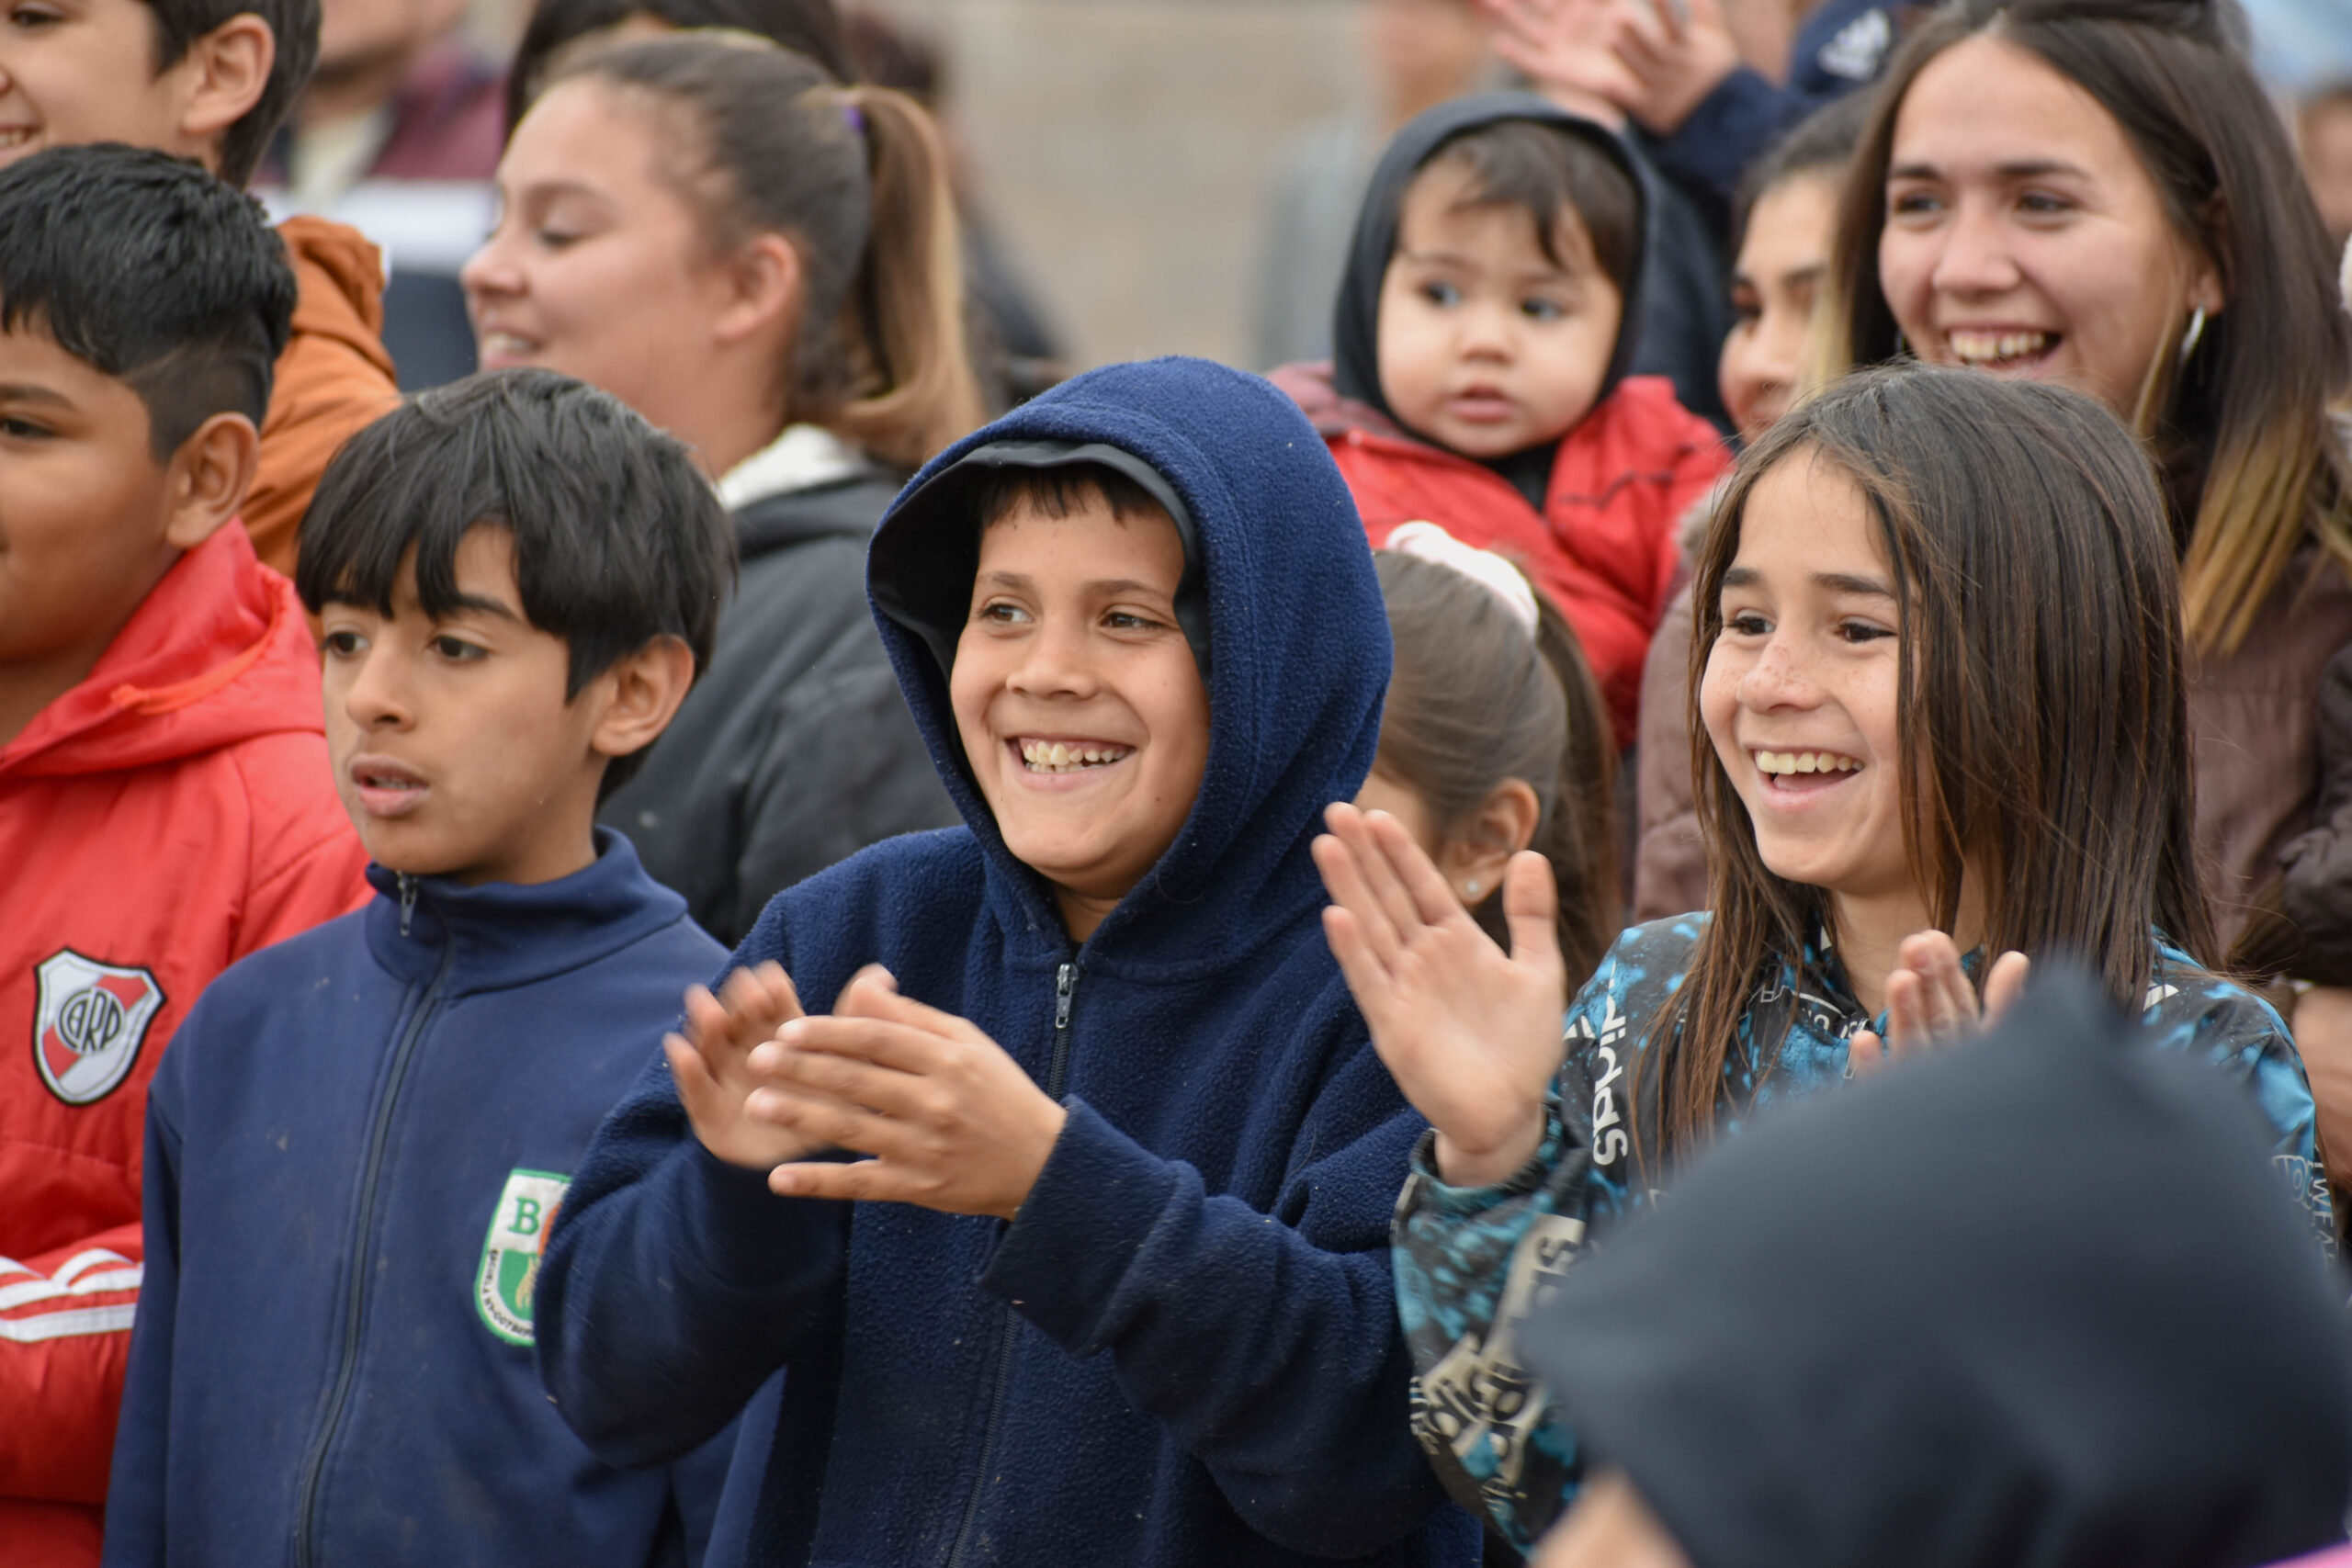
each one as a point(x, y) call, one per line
point(508, 1282)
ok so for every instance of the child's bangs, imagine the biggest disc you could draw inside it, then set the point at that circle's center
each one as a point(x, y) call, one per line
point(1551, 173)
point(358, 552)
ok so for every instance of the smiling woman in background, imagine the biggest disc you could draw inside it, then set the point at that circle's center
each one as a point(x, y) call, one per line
point(2099, 195)
point(762, 262)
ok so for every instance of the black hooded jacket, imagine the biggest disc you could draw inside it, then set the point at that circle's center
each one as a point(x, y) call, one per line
point(794, 750)
point(2037, 1300)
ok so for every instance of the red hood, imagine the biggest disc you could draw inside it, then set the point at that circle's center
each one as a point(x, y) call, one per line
point(219, 653)
point(1310, 386)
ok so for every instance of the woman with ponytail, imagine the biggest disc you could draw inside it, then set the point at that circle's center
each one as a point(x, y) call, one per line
point(762, 262)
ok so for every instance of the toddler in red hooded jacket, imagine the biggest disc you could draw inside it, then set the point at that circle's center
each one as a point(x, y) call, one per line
point(1478, 380)
point(166, 803)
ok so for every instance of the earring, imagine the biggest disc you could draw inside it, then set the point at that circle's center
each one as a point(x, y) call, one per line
point(1469, 890)
point(2194, 335)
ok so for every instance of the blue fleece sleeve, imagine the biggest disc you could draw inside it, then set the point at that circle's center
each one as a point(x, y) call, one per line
point(1269, 1348)
point(1743, 117)
point(675, 1283)
point(136, 1530)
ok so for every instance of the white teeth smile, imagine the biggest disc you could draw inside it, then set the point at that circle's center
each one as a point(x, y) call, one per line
point(17, 136)
point(1996, 348)
point(1069, 756)
point(1803, 763)
point(508, 345)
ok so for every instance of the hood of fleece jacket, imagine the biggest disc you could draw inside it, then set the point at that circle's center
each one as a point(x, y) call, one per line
point(1296, 656)
point(1355, 319)
point(218, 653)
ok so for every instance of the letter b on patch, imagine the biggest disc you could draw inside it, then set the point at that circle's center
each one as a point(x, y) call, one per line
point(506, 1287)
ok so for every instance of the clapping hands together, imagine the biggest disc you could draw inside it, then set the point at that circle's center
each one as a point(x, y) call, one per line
point(1472, 1034)
point(948, 1120)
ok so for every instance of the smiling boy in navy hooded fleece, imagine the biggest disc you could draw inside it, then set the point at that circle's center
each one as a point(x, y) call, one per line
point(1114, 1288)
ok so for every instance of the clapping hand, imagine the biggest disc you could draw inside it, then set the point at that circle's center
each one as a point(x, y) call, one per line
point(1929, 1002)
point(711, 1063)
point(1472, 1034)
point(952, 1123)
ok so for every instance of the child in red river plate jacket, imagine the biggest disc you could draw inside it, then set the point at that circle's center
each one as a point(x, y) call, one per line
point(164, 802)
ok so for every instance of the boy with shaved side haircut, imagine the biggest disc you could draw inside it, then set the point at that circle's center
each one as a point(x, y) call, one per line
point(164, 802)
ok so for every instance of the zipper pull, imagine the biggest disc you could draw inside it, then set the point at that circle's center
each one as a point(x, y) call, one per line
point(1065, 981)
point(408, 899)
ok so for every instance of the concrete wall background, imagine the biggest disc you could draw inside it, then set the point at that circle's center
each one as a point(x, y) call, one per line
point(1124, 145)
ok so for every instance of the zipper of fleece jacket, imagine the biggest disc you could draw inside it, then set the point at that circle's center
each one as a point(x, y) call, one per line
point(1065, 987)
point(314, 1464)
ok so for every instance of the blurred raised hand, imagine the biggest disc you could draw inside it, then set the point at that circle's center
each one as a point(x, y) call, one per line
point(1471, 1033)
point(1652, 59)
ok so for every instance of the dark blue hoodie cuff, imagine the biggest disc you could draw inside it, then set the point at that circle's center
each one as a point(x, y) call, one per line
point(1095, 1204)
point(736, 1231)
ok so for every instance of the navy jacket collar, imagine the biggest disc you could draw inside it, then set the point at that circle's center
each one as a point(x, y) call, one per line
point(503, 933)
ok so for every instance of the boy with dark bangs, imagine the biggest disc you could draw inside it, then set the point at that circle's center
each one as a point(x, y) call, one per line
point(355, 1149)
point(210, 81)
point(164, 807)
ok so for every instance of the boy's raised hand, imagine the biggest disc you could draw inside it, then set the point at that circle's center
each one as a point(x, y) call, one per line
point(1931, 1001)
point(1471, 1034)
point(711, 1063)
point(952, 1122)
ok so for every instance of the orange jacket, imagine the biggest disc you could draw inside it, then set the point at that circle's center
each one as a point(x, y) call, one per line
point(334, 379)
point(159, 822)
point(1606, 546)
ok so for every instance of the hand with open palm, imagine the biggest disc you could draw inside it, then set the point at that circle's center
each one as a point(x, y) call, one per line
point(1930, 1003)
point(1472, 1034)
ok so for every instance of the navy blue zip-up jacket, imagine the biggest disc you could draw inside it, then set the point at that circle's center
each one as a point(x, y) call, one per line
point(354, 1148)
point(1185, 1350)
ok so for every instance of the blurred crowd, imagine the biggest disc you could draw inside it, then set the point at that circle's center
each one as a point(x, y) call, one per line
point(1671, 886)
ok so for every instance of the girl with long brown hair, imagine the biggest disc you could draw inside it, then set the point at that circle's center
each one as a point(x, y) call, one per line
point(1939, 707)
point(763, 263)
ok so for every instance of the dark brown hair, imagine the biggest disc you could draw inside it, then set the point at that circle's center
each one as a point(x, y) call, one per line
point(294, 36)
point(2247, 417)
point(764, 142)
point(2044, 749)
point(1552, 173)
point(1473, 700)
point(808, 28)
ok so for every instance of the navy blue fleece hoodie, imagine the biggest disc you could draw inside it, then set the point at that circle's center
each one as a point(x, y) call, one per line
point(354, 1148)
point(1185, 1349)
